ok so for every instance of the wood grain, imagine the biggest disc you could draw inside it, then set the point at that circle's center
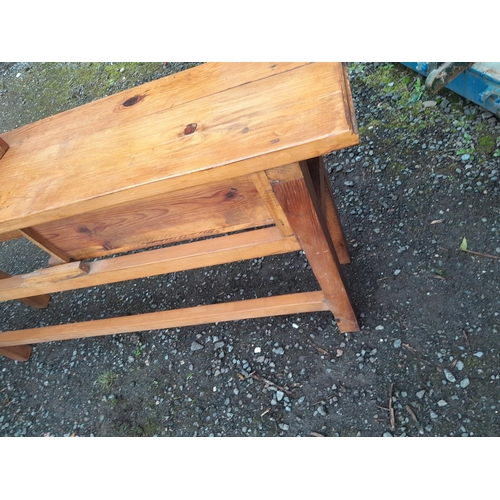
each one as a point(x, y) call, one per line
point(191, 213)
point(58, 255)
point(56, 169)
point(298, 200)
point(221, 250)
point(230, 311)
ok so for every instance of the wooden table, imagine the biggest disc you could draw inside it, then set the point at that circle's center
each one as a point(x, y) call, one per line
point(221, 149)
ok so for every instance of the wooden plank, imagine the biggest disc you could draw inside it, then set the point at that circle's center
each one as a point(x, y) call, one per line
point(231, 311)
point(10, 235)
point(141, 101)
point(3, 147)
point(192, 213)
point(62, 272)
point(299, 203)
point(37, 301)
point(221, 250)
point(250, 127)
point(56, 253)
point(17, 352)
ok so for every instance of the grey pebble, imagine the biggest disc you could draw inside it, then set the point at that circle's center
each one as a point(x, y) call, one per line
point(348, 183)
point(284, 427)
point(321, 410)
point(465, 157)
point(433, 415)
point(459, 366)
point(397, 344)
point(387, 435)
point(449, 376)
point(195, 346)
point(478, 354)
point(429, 104)
point(379, 327)
point(397, 271)
point(442, 402)
point(464, 383)
point(279, 395)
point(420, 394)
point(279, 350)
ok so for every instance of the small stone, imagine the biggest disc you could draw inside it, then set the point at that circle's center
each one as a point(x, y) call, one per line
point(387, 435)
point(442, 402)
point(464, 383)
point(420, 394)
point(340, 352)
point(196, 346)
point(257, 350)
point(279, 350)
point(465, 157)
point(433, 415)
point(122, 70)
point(379, 327)
point(478, 354)
point(284, 427)
point(348, 183)
point(397, 271)
point(294, 325)
point(449, 376)
point(301, 399)
point(217, 345)
point(397, 344)
point(459, 366)
point(321, 410)
point(279, 395)
point(429, 104)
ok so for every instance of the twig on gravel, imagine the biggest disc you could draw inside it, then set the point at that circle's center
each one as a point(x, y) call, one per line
point(482, 254)
point(409, 347)
point(317, 434)
point(318, 348)
point(256, 376)
point(265, 412)
point(464, 333)
point(391, 410)
point(409, 409)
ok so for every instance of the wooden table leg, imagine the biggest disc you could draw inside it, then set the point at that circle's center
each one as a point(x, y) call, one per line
point(295, 192)
point(321, 182)
point(16, 352)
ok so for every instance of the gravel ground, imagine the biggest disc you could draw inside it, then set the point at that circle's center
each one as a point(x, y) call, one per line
point(424, 177)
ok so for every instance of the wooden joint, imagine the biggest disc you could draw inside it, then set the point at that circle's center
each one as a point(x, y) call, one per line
point(55, 274)
point(3, 147)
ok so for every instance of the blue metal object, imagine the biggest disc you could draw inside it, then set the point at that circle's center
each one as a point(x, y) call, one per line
point(479, 84)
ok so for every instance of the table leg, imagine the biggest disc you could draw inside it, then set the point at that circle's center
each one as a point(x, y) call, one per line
point(16, 352)
point(296, 194)
point(321, 182)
